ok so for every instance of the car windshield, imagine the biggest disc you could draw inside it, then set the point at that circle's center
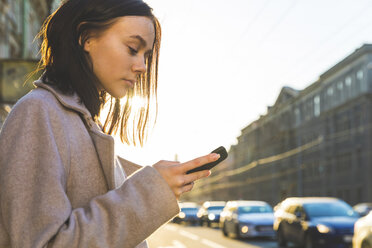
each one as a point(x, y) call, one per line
point(329, 209)
point(255, 209)
point(215, 209)
point(189, 210)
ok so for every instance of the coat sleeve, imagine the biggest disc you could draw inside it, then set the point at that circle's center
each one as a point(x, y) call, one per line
point(128, 166)
point(35, 209)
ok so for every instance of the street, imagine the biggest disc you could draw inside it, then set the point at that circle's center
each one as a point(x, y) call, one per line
point(183, 236)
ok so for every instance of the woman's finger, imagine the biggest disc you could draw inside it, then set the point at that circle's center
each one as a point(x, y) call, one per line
point(188, 178)
point(192, 164)
point(166, 162)
point(187, 187)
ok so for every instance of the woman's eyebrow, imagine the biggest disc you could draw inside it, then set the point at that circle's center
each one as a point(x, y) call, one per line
point(141, 40)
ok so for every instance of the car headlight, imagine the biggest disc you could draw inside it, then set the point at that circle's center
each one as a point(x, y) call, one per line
point(182, 215)
point(199, 215)
point(211, 216)
point(244, 229)
point(323, 228)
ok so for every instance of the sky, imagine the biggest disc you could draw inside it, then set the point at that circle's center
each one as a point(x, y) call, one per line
point(222, 63)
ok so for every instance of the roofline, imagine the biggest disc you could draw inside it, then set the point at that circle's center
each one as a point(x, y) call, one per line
point(364, 49)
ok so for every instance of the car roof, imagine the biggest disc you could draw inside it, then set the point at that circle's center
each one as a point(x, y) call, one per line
point(301, 200)
point(246, 203)
point(368, 204)
point(188, 204)
point(189, 207)
point(208, 204)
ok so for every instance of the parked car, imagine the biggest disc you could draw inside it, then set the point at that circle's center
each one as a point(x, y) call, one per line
point(210, 211)
point(247, 219)
point(363, 232)
point(363, 208)
point(188, 213)
point(315, 222)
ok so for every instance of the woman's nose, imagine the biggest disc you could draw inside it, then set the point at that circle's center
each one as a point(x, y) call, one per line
point(139, 66)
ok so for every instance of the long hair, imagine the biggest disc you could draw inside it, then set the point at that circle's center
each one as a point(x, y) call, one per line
point(66, 65)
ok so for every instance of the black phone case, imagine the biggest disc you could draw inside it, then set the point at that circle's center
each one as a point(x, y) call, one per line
point(223, 155)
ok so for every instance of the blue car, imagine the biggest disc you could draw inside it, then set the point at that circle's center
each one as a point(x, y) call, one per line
point(187, 215)
point(315, 222)
point(210, 212)
point(247, 219)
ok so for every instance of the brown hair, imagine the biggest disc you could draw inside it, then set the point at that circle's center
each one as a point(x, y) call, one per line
point(66, 65)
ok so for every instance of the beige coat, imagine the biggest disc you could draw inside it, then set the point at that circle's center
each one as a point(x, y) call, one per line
point(61, 184)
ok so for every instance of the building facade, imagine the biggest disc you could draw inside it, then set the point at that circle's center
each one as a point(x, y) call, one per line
point(20, 22)
point(314, 142)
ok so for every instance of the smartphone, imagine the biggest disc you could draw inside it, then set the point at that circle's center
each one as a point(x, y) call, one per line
point(223, 155)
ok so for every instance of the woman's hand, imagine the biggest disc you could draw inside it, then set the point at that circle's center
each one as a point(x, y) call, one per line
point(175, 175)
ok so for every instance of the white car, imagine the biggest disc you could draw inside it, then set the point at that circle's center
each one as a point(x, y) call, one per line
point(363, 232)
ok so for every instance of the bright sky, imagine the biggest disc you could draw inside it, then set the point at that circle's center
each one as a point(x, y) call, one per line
point(223, 62)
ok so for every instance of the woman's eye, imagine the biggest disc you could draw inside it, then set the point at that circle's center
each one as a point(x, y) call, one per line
point(132, 51)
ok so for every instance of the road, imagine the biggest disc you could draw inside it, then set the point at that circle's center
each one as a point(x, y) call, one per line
point(182, 236)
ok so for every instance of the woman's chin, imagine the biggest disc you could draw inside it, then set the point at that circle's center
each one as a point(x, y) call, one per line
point(118, 93)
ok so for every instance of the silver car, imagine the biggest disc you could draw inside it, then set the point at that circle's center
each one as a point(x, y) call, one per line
point(363, 208)
point(363, 232)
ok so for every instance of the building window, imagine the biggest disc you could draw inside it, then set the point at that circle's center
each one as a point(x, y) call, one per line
point(330, 91)
point(348, 81)
point(359, 155)
point(360, 75)
point(361, 81)
point(349, 87)
point(308, 109)
point(316, 105)
point(297, 116)
point(340, 91)
point(329, 97)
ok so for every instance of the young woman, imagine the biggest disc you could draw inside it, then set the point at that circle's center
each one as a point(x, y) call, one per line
point(61, 185)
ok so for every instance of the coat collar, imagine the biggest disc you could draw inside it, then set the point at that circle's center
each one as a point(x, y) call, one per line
point(70, 101)
point(103, 143)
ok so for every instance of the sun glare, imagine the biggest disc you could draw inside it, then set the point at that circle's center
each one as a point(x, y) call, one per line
point(138, 102)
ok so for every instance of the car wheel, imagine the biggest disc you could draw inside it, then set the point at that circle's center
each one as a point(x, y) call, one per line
point(224, 230)
point(365, 244)
point(205, 223)
point(282, 242)
point(237, 232)
point(308, 242)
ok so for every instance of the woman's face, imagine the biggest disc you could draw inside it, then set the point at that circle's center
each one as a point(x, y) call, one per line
point(118, 54)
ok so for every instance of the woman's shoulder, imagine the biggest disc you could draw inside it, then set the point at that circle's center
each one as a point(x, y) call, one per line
point(37, 103)
point(38, 97)
point(49, 96)
point(38, 111)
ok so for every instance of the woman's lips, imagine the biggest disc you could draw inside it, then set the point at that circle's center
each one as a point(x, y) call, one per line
point(129, 82)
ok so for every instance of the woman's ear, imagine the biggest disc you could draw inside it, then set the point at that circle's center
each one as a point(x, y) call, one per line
point(84, 39)
point(87, 44)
